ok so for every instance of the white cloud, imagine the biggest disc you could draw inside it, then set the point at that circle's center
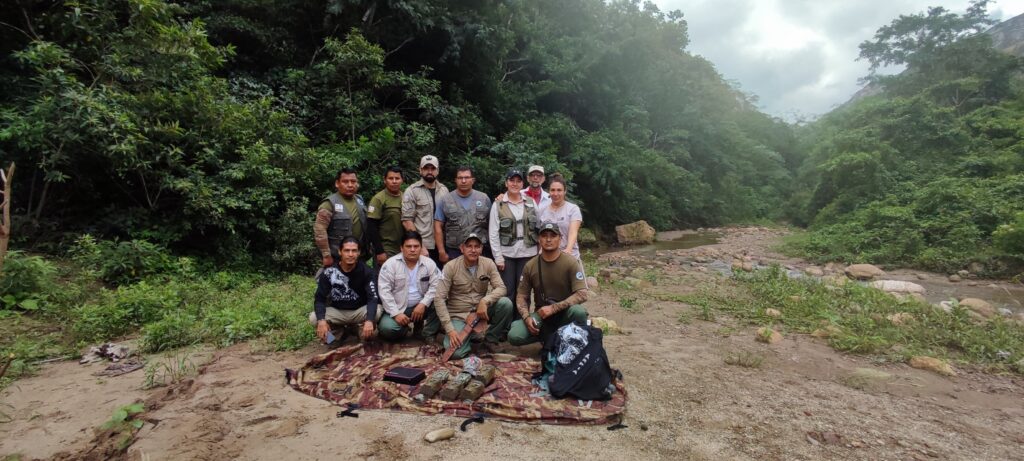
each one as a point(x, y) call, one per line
point(797, 56)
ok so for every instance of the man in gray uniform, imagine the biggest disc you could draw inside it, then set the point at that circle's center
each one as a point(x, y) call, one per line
point(460, 213)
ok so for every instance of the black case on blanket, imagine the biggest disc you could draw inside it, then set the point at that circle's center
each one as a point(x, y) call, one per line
point(404, 375)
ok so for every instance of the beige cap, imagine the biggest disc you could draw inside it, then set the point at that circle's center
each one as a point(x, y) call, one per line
point(535, 168)
point(429, 160)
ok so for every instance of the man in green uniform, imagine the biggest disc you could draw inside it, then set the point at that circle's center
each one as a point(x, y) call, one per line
point(472, 282)
point(385, 217)
point(559, 289)
point(340, 215)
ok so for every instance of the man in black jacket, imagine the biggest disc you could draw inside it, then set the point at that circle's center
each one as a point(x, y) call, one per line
point(346, 298)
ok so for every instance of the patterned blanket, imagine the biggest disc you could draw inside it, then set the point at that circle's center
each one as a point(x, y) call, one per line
point(353, 374)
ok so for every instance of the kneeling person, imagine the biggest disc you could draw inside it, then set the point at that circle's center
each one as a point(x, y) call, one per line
point(346, 297)
point(472, 282)
point(559, 289)
point(407, 284)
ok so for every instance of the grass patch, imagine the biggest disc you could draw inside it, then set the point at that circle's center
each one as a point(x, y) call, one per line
point(172, 369)
point(630, 303)
point(857, 318)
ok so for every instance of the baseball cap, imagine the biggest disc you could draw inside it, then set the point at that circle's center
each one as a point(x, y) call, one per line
point(513, 172)
point(550, 226)
point(535, 168)
point(429, 160)
point(472, 235)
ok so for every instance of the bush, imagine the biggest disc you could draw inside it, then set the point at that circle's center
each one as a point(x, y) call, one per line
point(25, 280)
point(123, 310)
point(1009, 238)
point(122, 263)
point(173, 331)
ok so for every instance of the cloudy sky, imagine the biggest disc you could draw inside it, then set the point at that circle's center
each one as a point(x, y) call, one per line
point(798, 56)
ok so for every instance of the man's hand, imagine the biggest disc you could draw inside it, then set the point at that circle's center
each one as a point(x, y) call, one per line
point(501, 265)
point(567, 251)
point(321, 329)
point(367, 332)
point(545, 312)
point(453, 340)
point(424, 251)
point(402, 319)
point(442, 256)
point(418, 311)
point(530, 326)
point(481, 311)
point(500, 197)
point(328, 261)
point(381, 258)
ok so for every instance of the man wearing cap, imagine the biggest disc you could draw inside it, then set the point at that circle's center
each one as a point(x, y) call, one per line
point(340, 215)
point(420, 201)
point(535, 177)
point(559, 289)
point(472, 282)
point(460, 213)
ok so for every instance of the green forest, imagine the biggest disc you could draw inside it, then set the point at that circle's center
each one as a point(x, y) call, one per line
point(170, 156)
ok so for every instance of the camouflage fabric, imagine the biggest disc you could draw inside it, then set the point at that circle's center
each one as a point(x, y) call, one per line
point(353, 374)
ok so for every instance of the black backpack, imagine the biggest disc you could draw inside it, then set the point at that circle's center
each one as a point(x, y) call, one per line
point(588, 376)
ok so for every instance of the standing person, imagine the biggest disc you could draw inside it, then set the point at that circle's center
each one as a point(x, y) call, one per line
point(472, 283)
point(420, 201)
point(385, 217)
point(557, 283)
point(535, 177)
point(461, 212)
point(346, 298)
point(563, 213)
point(513, 231)
point(340, 215)
point(406, 286)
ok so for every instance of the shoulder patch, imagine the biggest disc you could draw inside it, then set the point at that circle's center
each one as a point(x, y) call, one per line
point(579, 276)
point(370, 208)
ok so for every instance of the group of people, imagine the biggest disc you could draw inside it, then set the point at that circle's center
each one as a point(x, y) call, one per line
point(439, 255)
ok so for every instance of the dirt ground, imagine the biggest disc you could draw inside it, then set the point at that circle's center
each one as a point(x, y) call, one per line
point(685, 401)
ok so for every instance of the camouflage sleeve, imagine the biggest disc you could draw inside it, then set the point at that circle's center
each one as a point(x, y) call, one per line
point(577, 297)
point(323, 219)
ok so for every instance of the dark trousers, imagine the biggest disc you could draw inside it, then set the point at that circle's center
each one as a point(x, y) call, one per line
point(510, 276)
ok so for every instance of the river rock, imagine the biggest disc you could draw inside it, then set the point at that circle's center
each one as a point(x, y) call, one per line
point(439, 435)
point(864, 271)
point(962, 273)
point(772, 313)
point(976, 267)
point(979, 306)
point(920, 276)
point(1005, 312)
point(900, 318)
point(954, 278)
point(768, 335)
point(932, 364)
point(747, 266)
point(814, 271)
point(635, 233)
point(897, 286)
point(607, 326)
point(592, 283)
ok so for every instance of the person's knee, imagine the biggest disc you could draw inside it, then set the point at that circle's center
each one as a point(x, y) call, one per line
point(502, 306)
point(389, 329)
point(518, 335)
point(577, 314)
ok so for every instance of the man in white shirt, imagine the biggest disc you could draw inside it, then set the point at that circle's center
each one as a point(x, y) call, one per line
point(406, 285)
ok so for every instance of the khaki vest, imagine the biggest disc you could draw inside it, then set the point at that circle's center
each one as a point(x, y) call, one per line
point(508, 229)
point(460, 222)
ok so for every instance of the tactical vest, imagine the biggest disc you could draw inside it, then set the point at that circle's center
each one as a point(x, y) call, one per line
point(460, 222)
point(508, 225)
point(341, 223)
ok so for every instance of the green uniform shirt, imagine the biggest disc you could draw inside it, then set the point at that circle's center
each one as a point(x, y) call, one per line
point(353, 210)
point(388, 209)
point(562, 278)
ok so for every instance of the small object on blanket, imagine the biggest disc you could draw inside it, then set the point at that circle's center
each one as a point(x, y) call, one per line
point(438, 435)
point(472, 391)
point(404, 375)
point(111, 351)
point(486, 374)
point(471, 364)
point(118, 369)
point(454, 387)
point(432, 385)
